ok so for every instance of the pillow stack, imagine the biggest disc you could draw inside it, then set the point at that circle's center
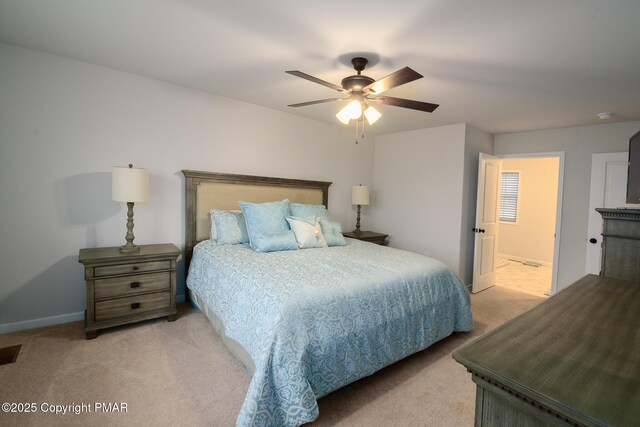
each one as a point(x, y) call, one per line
point(267, 226)
point(276, 226)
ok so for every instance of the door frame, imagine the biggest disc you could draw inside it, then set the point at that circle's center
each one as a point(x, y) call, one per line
point(556, 245)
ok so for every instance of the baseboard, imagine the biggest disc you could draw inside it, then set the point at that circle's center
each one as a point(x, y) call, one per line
point(523, 259)
point(42, 321)
point(51, 320)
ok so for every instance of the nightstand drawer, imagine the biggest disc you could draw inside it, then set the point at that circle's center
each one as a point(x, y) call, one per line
point(110, 309)
point(139, 267)
point(129, 285)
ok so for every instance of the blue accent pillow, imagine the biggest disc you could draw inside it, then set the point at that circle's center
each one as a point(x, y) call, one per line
point(285, 241)
point(267, 225)
point(332, 231)
point(302, 210)
point(213, 234)
point(231, 228)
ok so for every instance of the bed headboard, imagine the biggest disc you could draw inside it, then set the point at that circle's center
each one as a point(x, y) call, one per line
point(212, 190)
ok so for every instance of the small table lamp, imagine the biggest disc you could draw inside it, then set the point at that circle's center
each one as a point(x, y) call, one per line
point(130, 185)
point(359, 196)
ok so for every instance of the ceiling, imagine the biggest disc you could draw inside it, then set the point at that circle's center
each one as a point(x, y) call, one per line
point(501, 66)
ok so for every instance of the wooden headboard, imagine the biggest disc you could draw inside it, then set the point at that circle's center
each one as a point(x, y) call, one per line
point(212, 190)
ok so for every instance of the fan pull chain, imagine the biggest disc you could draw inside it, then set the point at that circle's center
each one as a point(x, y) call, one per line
point(363, 135)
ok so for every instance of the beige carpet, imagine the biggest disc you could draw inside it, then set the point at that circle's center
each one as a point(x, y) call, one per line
point(180, 374)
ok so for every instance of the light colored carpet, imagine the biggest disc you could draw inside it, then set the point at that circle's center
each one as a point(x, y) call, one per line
point(181, 374)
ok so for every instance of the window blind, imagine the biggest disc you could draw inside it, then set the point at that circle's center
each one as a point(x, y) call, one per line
point(509, 197)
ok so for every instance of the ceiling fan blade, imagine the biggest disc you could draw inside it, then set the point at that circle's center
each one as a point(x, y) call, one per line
point(406, 103)
point(396, 79)
point(316, 80)
point(320, 101)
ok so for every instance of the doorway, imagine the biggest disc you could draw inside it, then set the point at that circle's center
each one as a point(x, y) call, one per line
point(526, 229)
point(608, 190)
point(527, 223)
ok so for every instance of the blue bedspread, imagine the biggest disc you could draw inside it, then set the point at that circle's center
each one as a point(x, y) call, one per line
point(314, 320)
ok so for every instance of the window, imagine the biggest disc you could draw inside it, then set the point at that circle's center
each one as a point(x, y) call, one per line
point(509, 197)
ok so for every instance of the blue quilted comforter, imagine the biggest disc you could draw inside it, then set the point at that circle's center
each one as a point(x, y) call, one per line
point(314, 320)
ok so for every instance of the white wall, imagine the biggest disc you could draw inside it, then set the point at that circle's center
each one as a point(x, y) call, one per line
point(531, 237)
point(417, 188)
point(579, 143)
point(64, 123)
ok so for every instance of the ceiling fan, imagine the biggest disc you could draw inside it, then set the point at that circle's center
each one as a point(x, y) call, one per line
point(362, 90)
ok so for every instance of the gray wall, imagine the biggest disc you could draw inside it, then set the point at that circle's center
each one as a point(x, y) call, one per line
point(579, 143)
point(64, 123)
point(418, 180)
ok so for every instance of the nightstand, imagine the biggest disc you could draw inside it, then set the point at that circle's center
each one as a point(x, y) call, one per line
point(367, 236)
point(130, 287)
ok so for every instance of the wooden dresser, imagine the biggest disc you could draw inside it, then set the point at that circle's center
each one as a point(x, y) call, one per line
point(572, 360)
point(620, 243)
point(128, 288)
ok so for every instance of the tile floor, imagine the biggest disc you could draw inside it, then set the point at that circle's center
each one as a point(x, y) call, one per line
point(524, 278)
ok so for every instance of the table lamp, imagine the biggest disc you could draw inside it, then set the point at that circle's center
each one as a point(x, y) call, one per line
point(129, 185)
point(359, 197)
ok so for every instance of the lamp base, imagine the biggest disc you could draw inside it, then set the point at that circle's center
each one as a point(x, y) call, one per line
point(127, 249)
point(357, 230)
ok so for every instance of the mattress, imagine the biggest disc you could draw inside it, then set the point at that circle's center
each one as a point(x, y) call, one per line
point(232, 345)
point(315, 320)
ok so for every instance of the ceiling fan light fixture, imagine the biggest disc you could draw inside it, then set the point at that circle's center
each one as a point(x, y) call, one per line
point(372, 115)
point(354, 109)
point(343, 116)
point(360, 88)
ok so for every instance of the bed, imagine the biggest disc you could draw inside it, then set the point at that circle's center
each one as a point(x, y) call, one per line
point(307, 322)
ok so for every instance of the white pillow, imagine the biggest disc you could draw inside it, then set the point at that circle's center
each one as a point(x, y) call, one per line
point(307, 231)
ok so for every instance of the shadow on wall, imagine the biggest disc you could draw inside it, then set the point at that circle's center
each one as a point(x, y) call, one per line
point(59, 289)
point(85, 200)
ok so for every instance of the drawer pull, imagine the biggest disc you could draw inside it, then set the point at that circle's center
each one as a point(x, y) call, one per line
point(135, 285)
point(135, 305)
point(135, 268)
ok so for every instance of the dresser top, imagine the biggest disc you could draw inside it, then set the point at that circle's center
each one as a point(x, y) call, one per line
point(113, 254)
point(577, 352)
point(619, 213)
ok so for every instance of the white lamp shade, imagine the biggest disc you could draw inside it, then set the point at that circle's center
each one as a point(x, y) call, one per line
point(354, 109)
point(360, 195)
point(372, 115)
point(129, 184)
point(343, 116)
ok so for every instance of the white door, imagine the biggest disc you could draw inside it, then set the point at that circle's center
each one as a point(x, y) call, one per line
point(486, 228)
point(608, 190)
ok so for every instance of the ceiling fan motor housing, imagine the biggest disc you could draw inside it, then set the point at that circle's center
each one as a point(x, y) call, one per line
point(356, 83)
